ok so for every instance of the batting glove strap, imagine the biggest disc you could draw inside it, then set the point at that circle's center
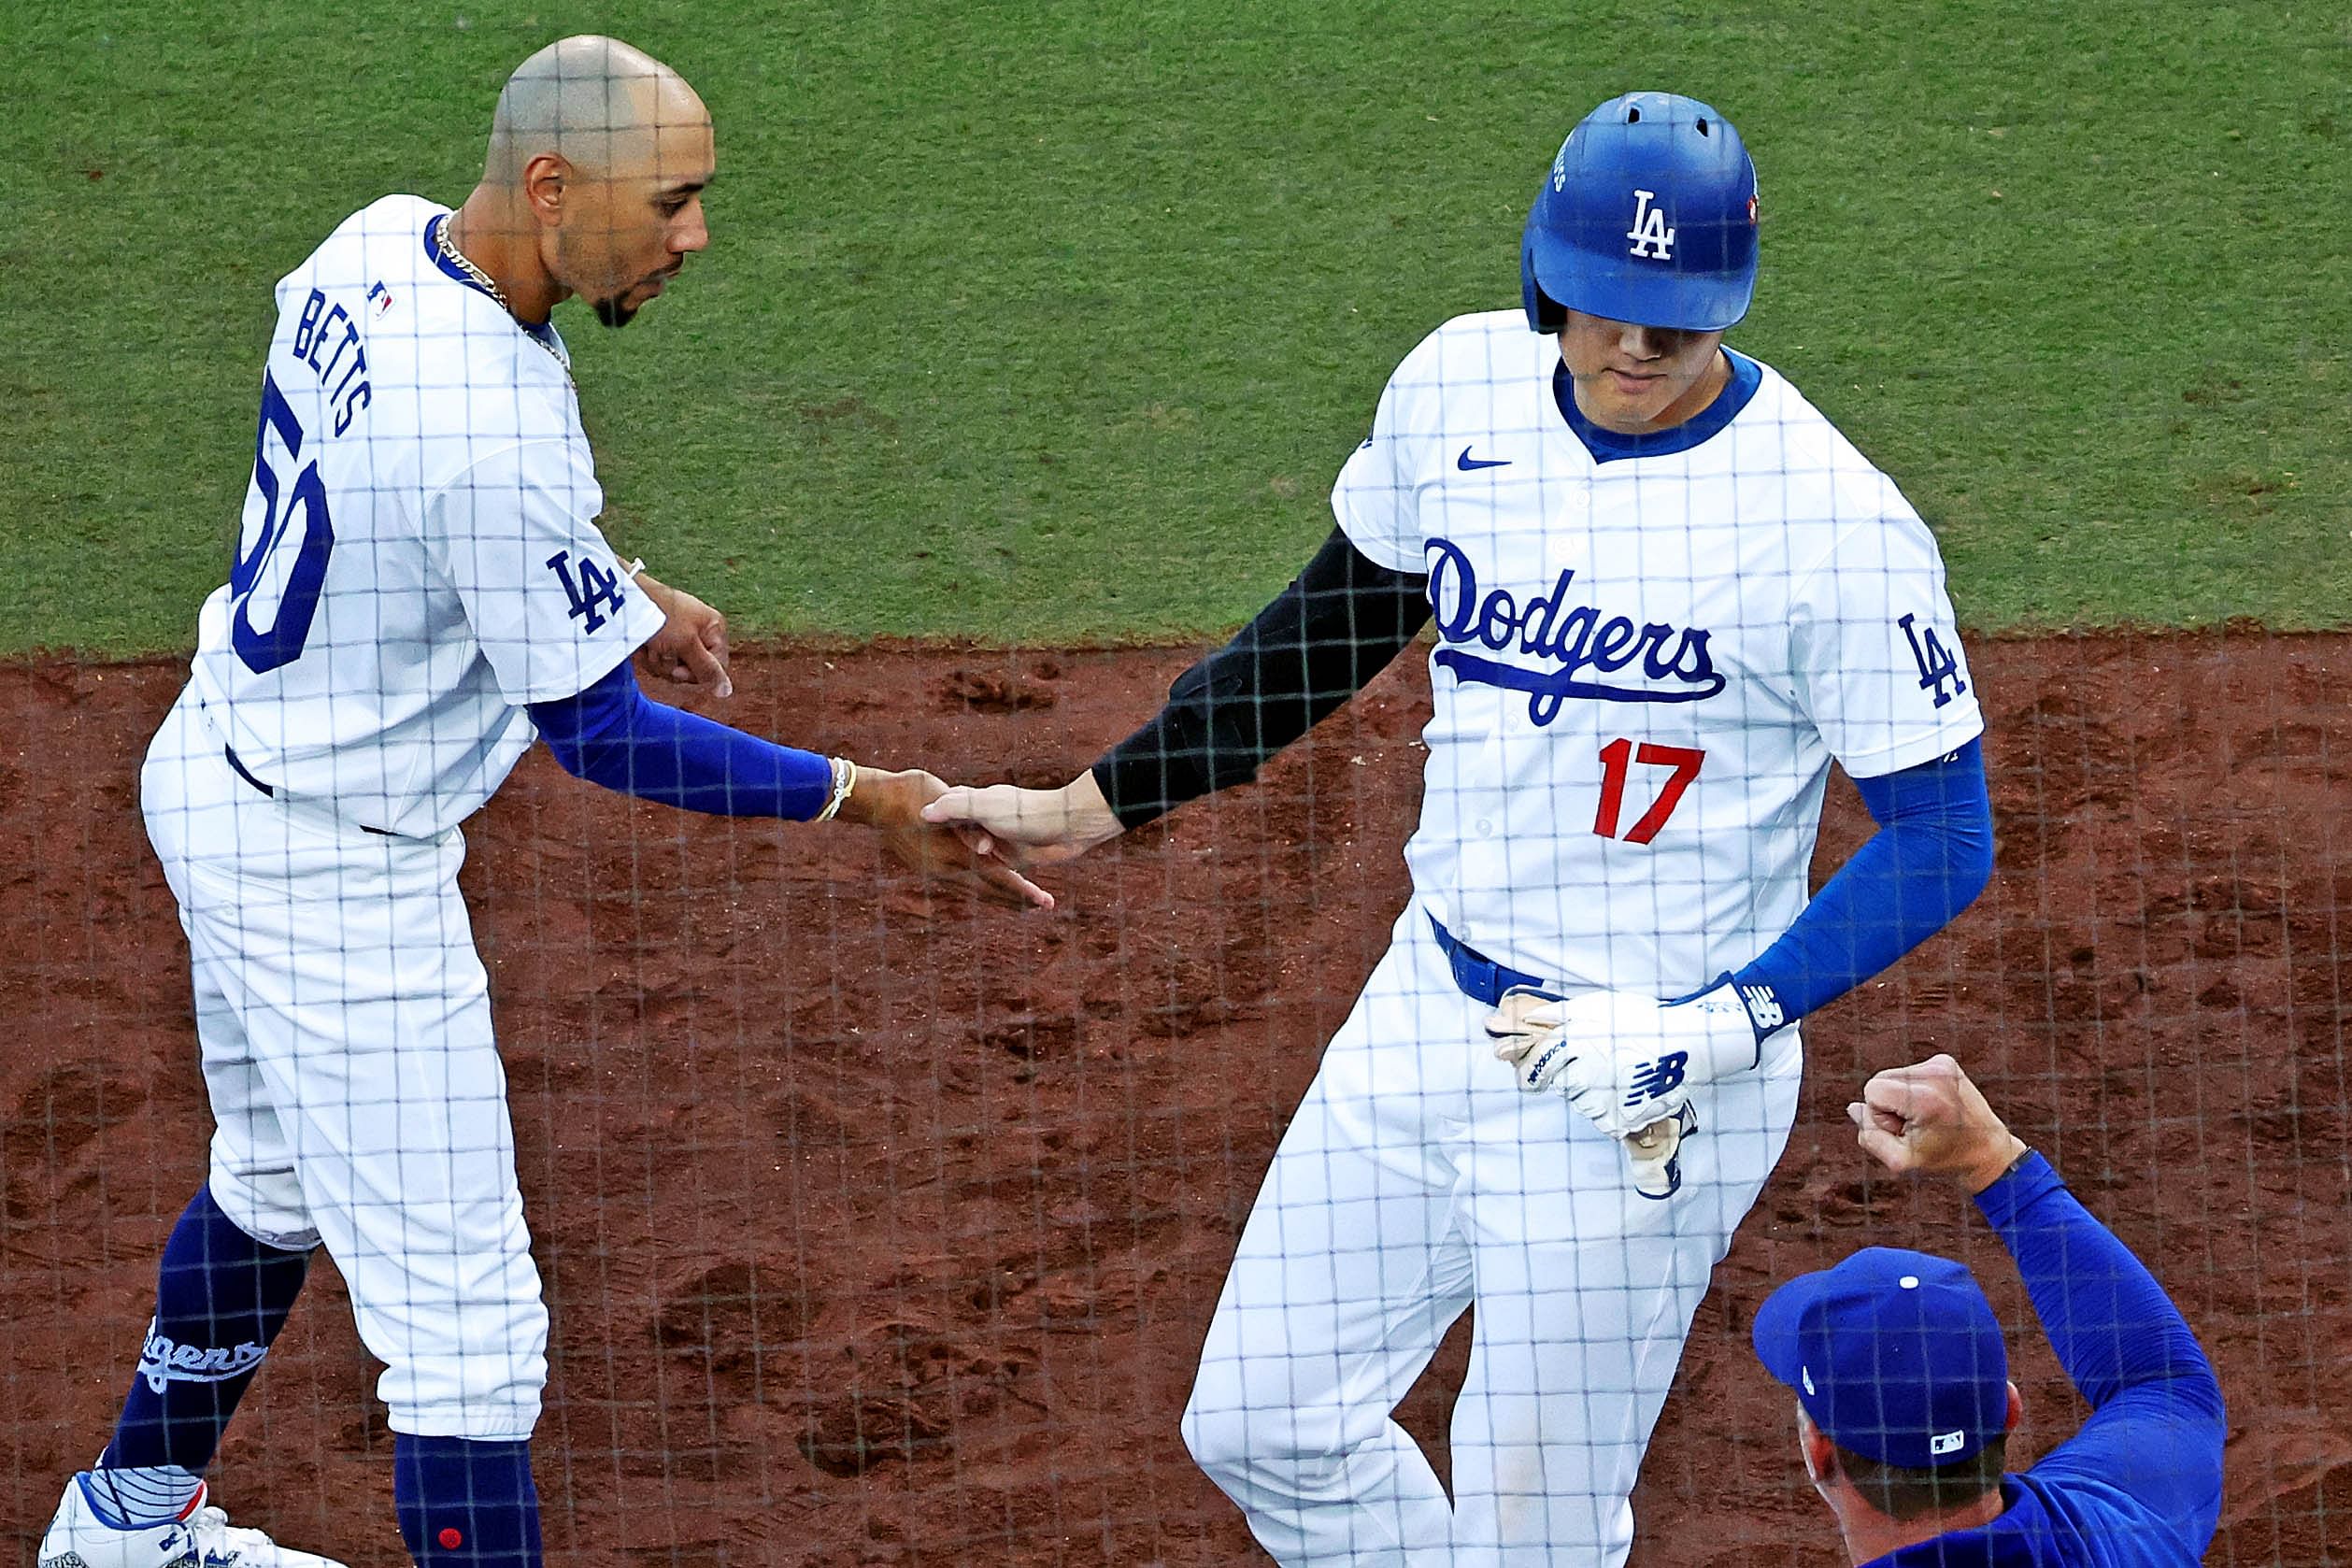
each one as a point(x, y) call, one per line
point(1759, 1000)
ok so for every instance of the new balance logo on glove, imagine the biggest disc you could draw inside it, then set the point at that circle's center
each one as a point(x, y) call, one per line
point(1655, 1080)
point(1763, 1008)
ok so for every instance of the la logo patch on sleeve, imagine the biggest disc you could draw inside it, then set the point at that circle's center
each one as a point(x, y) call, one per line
point(1937, 664)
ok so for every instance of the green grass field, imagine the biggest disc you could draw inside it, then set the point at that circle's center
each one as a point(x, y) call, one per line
point(1046, 323)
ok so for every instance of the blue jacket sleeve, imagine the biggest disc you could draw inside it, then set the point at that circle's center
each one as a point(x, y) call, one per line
point(2157, 1426)
point(1929, 859)
point(611, 734)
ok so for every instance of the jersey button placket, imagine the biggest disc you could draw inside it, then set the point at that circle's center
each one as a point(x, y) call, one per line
point(1564, 547)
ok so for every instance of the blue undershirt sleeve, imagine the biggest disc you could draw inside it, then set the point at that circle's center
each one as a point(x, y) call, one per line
point(1929, 859)
point(2157, 1423)
point(611, 734)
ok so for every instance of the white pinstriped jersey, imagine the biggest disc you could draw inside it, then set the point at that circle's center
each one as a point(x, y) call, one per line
point(1645, 664)
point(418, 557)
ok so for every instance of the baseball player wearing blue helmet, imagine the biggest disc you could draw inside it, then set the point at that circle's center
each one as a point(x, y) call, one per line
point(1693, 207)
point(1668, 594)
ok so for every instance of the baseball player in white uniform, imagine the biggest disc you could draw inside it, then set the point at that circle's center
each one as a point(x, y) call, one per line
point(1667, 594)
point(419, 590)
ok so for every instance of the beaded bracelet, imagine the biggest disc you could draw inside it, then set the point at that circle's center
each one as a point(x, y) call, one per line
point(845, 779)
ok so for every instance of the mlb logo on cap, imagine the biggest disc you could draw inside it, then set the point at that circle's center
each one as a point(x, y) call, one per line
point(1895, 1355)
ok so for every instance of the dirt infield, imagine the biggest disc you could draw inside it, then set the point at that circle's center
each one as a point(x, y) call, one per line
point(883, 1239)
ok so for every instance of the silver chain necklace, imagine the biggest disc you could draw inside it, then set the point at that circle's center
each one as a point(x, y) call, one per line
point(489, 285)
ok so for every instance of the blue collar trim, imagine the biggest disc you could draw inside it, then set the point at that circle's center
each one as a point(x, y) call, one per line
point(544, 331)
point(1607, 446)
point(447, 267)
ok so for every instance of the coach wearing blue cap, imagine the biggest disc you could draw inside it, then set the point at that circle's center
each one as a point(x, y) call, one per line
point(1905, 1403)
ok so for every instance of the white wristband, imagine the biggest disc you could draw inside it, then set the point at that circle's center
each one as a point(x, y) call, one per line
point(845, 779)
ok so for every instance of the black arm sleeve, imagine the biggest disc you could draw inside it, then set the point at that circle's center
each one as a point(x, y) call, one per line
point(1323, 639)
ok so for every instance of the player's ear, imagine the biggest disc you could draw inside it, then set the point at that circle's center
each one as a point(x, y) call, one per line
point(1814, 1449)
point(545, 180)
point(2017, 1409)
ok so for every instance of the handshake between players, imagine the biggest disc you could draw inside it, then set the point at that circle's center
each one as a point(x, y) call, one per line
point(691, 652)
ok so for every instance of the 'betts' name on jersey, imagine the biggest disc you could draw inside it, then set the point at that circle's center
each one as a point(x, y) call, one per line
point(1645, 664)
point(418, 558)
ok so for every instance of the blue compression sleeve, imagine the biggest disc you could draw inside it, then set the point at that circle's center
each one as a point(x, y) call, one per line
point(613, 734)
point(2157, 1422)
point(1929, 859)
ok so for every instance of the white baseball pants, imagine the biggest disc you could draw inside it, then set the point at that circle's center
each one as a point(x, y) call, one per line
point(358, 1099)
point(1416, 1179)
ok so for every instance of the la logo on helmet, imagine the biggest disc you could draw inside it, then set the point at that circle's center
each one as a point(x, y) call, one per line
point(1650, 234)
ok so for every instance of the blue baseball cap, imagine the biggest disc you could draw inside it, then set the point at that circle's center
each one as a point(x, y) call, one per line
point(1895, 1355)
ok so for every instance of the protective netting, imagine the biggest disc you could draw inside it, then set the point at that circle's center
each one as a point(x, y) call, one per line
point(876, 1224)
point(907, 1230)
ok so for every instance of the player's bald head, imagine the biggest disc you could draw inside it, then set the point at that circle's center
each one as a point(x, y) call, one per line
point(603, 108)
point(598, 157)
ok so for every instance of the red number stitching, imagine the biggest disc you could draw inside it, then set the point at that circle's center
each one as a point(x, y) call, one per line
point(1616, 757)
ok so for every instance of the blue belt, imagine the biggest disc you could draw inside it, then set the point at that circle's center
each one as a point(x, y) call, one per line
point(1479, 977)
point(237, 764)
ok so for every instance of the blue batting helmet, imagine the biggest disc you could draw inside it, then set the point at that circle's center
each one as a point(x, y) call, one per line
point(1648, 216)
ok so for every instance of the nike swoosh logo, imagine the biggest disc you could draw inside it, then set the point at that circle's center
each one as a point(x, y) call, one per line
point(1468, 463)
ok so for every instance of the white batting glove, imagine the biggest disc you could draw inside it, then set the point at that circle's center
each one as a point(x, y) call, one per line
point(1626, 1060)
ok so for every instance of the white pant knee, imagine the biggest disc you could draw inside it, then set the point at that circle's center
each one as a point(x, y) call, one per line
point(1248, 1448)
point(1218, 1441)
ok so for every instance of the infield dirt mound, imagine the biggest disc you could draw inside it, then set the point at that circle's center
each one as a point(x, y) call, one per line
point(879, 1236)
